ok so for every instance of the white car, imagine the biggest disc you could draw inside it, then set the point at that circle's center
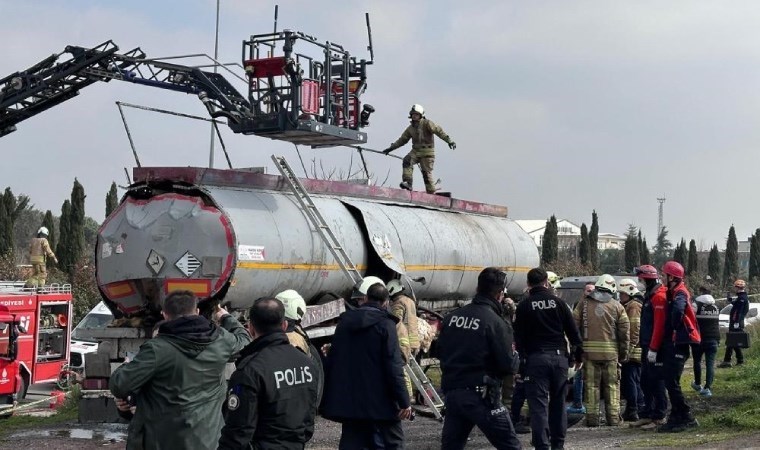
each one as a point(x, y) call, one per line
point(98, 318)
point(751, 317)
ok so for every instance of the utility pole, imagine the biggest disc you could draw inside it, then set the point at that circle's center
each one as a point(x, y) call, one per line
point(216, 58)
point(660, 223)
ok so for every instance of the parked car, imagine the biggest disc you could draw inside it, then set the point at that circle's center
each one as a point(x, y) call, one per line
point(752, 315)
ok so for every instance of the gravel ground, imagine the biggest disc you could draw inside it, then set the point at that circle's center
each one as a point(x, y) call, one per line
point(421, 434)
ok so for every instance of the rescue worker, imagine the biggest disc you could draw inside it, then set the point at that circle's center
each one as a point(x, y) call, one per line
point(420, 131)
point(707, 318)
point(652, 415)
point(739, 310)
point(404, 308)
point(39, 250)
point(475, 351)
point(674, 332)
point(605, 328)
point(630, 376)
point(577, 407)
point(364, 384)
point(554, 281)
point(272, 397)
point(177, 378)
point(543, 322)
point(295, 309)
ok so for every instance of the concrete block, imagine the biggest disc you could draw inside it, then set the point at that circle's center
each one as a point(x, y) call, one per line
point(98, 410)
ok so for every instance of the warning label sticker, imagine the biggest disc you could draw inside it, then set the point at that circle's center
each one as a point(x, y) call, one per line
point(251, 253)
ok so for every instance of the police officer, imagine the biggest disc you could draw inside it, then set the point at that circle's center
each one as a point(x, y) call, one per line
point(604, 326)
point(272, 400)
point(475, 350)
point(652, 414)
point(542, 323)
point(421, 131)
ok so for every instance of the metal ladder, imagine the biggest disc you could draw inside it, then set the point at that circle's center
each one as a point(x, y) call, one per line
point(308, 206)
point(425, 388)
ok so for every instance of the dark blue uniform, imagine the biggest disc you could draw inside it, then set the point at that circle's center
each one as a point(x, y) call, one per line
point(739, 310)
point(541, 324)
point(476, 342)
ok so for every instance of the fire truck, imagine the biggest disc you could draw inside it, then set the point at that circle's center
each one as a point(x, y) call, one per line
point(35, 330)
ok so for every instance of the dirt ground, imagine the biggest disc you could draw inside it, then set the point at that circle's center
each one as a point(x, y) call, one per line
point(421, 434)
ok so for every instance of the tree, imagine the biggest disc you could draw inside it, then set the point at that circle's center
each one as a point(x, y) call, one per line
point(593, 241)
point(63, 250)
point(692, 264)
point(550, 242)
point(713, 264)
point(583, 247)
point(680, 253)
point(112, 200)
point(644, 257)
point(76, 236)
point(662, 247)
point(754, 256)
point(731, 261)
point(631, 248)
point(49, 223)
point(6, 232)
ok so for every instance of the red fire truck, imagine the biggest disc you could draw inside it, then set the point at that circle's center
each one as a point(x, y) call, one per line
point(35, 330)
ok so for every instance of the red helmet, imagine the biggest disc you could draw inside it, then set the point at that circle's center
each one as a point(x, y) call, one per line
point(673, 268)
point(646, 272)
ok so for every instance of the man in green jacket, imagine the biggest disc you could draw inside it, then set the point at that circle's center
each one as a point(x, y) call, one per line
point(177, 378)
point(421, 131)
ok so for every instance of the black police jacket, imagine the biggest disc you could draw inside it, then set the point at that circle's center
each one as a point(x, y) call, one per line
point(475, 341)
point(272, 397)
point(542, 321)
point(364, 372)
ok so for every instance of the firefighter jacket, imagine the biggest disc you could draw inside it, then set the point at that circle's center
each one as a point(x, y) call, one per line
point(39, 249)
point(543, 322)
point(177, 379)
point(707, 318)
point(404, 308)
point(300, 340)
point(272, 397)
point(475, 341)
point(422, 136)
point(680, 321)
point(654, 305)
point(364, 371)
point(604, 327)
point(739, 310)
point(403, 341)
point(633, 310)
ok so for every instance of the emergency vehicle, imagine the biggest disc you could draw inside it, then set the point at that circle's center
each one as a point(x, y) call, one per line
point(35, 330)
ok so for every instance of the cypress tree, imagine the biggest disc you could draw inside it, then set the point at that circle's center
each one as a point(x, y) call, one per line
point(754, 255)
point(593, 241)
point(692, 265)
point(49, 222)
point(112, 201)
point(644, 257)
point(77, 242)
point(713, 264)
point(6, 231)
point(549, 245)
point(662, 248)
point(631, 248)
point(680, 253)
point(731, 262)
point(583, 248)
point(63, 250)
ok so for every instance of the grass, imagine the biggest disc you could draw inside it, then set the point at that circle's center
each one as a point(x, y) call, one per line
point(733, 410)
point(68, 412)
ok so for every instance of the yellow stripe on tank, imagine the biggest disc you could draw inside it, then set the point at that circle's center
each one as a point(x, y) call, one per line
point(411, 268)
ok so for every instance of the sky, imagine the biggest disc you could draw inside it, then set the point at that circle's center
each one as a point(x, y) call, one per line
point(557, 107)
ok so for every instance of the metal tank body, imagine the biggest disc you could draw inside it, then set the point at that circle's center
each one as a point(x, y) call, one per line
point(239, 237)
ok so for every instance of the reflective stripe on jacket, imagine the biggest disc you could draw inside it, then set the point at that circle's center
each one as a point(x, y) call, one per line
point(604, 327)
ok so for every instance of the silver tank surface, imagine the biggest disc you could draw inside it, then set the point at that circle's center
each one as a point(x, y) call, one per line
point(238, 241)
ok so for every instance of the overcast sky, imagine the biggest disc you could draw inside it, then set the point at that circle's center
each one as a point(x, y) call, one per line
point(557, 107)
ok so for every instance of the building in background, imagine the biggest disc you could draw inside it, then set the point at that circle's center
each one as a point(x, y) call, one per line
point(569, 234)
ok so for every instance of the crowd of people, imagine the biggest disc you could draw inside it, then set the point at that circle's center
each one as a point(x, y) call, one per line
point(616, 341)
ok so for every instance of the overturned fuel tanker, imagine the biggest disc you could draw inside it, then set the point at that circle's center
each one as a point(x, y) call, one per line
point(232, 236)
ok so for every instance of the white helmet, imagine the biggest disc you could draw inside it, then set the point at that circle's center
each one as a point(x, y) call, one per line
point(394, 287)
point(417, 108)
point(360, 289)
point(554, 280)
point(628, 286)
point(606, 283)
point(295, 306)
point(43, 230)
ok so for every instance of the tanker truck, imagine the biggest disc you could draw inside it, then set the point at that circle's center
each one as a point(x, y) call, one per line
point(232, 236)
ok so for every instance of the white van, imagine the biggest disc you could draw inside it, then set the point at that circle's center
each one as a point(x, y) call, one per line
point(97, 319)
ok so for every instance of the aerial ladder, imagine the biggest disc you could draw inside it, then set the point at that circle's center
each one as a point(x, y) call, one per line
point(311, 98)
